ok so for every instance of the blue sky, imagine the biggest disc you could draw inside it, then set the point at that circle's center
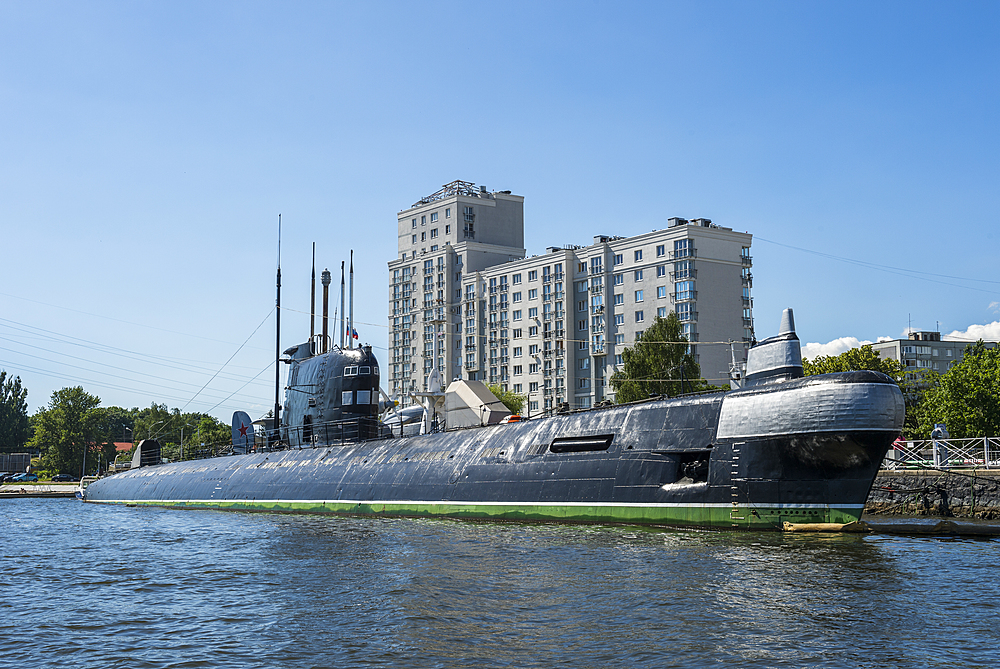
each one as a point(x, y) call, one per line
point(148, 148)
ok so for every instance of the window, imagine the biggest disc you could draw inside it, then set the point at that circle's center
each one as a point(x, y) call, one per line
point(638, 296)
point(517, 315)
point(470, 214)
point(638, 275)
point(619, 338)
point(517, 351)
point(582, 345)
point(434, 233)
point(684, 290)
point(618, 259)
point(581, 325)
point(619, 319)
point(661, 291)
point(517, 333)
point(638, 255)
point(414, 223)
point(532, 312)
point(619, 279)
point(533, 331)
point(638, 317)
point(661, 270)
point(434, 247)
point(532, 387)
point(423, 236)
point(516, 297)
point(423, 220)
point(414, 240)
point(661, 251)
point(581, 305)
point(447, 213)
point(517, 370)
point(533, 349)
point(581, 267)
point(584, 363)
point(584, 383)
point(434, 217)
point(683, 248)
point(533, 368)
point(533, 275)
point(619, 360)
point(517, 387)
point(515, 279)
point(619, 299)
point(661, 312)
point(533, 294)
point(447, 229)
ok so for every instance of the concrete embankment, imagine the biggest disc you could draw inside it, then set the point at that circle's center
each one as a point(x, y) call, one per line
point(962, 493)
point(37, 490)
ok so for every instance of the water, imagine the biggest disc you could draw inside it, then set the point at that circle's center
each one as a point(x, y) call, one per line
point(83, 585)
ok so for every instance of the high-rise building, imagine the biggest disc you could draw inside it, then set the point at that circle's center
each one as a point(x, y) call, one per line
point(553, 326)
point(458, 229)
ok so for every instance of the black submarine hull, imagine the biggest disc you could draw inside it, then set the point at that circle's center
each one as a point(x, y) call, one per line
point(801, 451)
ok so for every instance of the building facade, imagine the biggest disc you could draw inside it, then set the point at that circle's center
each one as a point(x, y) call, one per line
point(553, 326)
point(923, 351)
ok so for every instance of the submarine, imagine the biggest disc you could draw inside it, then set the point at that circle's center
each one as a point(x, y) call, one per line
point(781, 448)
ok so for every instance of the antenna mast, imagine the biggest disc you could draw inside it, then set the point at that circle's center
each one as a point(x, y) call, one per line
point(277, 340)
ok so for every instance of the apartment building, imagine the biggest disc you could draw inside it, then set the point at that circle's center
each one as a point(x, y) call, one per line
point(553, 326)
point(924, 351)
point(458, 229)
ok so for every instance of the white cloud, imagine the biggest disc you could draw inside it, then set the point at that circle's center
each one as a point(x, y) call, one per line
point(988, 332)
point(835, 347)
point(994, 307)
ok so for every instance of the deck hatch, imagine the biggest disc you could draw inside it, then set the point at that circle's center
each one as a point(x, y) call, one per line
point(590, 442)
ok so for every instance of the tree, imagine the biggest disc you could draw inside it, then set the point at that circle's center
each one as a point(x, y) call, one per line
point(15, 429)
point(513, 401)
point(966, 397)
point(856, 359)
point(72, 424)
point(658, 364)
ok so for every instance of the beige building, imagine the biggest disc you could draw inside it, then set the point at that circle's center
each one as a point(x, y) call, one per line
point(553, 326)
point(924, 351)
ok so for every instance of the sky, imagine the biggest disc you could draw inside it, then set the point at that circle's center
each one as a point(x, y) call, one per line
point(148, 149)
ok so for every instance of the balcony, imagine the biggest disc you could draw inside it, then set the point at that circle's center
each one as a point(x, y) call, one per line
point(746, 260)
point(681, 254)
point(687, 316)
point(546, 278)
point(597, 270)
point(748, 280)
point(560, 333)
point(684, 296)
point(559, 294)
point(596, 290)
point(748, 322)
point(547, 316)
point(558, 276)
point(684, 274)
point(747, 303)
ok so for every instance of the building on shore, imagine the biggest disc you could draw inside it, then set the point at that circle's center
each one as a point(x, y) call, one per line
point(553, 326)
point(924, 351)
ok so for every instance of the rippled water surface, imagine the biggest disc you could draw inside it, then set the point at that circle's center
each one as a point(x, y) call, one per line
point(94, 586)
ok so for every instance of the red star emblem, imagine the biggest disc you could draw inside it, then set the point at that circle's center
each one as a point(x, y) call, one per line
point(243, 429)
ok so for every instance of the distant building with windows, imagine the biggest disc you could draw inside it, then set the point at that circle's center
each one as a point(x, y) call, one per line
point(924, 351)
point(553, 326)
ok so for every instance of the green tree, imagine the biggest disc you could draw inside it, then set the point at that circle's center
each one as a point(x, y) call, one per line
point(860, 358)
point(966, 397)
point(658, 364)
point(15, 429)
point(513, 401)
point(72, 424)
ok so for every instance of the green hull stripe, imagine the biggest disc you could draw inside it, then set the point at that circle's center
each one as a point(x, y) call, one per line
point(700, 515)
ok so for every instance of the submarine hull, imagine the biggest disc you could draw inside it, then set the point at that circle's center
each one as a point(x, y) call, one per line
point(801, 451)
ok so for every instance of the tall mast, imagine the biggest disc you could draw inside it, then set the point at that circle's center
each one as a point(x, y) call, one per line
point(351, 337)
point(312, 300)
point(277, 338)
point(343, 314)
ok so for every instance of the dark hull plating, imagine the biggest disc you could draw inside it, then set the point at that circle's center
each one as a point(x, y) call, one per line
point(703, 461)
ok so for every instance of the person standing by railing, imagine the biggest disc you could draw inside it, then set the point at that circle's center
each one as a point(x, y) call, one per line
point(938, 435)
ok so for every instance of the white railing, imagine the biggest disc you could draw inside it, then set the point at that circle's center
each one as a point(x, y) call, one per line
point(975, 453)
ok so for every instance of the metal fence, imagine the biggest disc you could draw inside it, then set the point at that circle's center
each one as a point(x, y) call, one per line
point(975, 453)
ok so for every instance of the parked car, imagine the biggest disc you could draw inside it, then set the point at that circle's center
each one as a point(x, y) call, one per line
point(62, 478)
point(23, 478)
point(5, 478)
